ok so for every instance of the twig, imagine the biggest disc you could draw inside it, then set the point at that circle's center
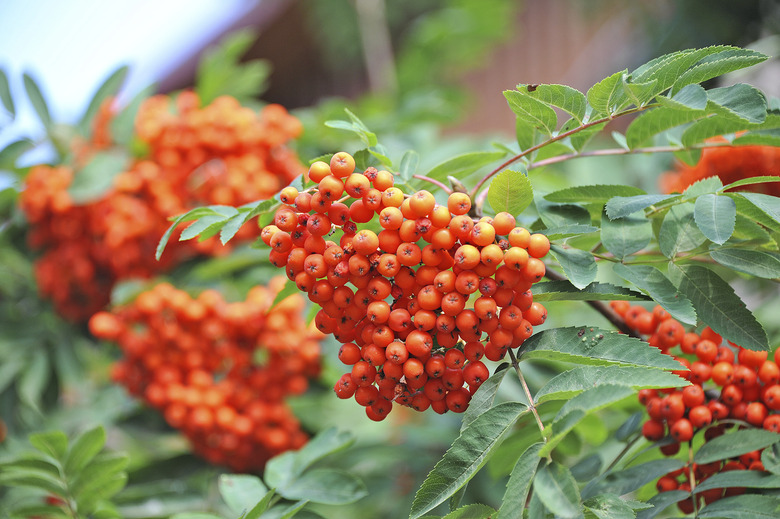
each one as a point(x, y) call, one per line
point(527, 391)
point(435, 182)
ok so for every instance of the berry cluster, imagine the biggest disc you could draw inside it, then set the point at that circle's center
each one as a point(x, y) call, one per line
point(427, 287)
point(728, 382)
point(218, 154)
point(217, 371)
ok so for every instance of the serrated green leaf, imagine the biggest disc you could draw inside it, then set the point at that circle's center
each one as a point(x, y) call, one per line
point(240, 491)
point(704, 186)
point(96, 178)
point(719, 307)
point(533, 111)
point(510, 191)
point(282, 469)
point(482, 400)
point(625, 236)
point(578, 265)
point(473, 511)
point(567, 231)
point(5, 95)
point(574, 381)
point(627, 480)
point(750, 506)
point(769, 205)
point(758, 138)
point(568, 99)
point(640, 92)
point(561, 215)
point(690, 97)
point(232, 226)
point(199, 212)
point(610, 506)
point(326, 486)
point(104, 465)
point(557, 490)
point(519, 484)
point(563, 290)
point(37, 100)
point(123, 124)
point(661, 502)
point(622, 206)
point(409, 163)
point(667, 69)
point(735, 444)
point(679, 232)
point(203, 228)
point(739, 478)
point(592, 193)
point(580, 138)
point(720, 124)
point(655, 284)
point(109, 88)
point(750, 180)
point(715, 216)
point(465, 457)
point(54, 443)
point(740, 100)
point(220, 71)
point(717, 64)
point(770, 458)
point(657, 120)
point(84, 448)
point(465, 164)
point(608, 95)
point(759, 263)
point(595, 346)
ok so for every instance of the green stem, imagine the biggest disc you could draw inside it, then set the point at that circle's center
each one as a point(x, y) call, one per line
point(630, 445)
point(527, 392)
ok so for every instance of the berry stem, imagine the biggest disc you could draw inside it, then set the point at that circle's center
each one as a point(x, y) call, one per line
point(447, 189)
point(601, 308)
point(692, 479)
point(527, 391)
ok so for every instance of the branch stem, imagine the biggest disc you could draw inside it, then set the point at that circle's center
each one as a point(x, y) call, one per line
point(527, 391)
point(435, 182)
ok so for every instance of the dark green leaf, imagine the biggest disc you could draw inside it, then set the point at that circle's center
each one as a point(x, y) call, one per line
point(770, 458)
point(594, 346)
point(578, 265)
point(534, 112)
point(568, 384)
point(759, 263)
point(653, 282)
point(627, 480)
point(510, 191)
point(241, 491)
point(463, 165)
point(610, 506)
point(96, 178)
point(482, 400)
point(743, 507)
point(715, 216)
point(473, 511)
point(658, 120)
point(83, 449)
point(661, 502)
point(467, 454)
point(715, 65)
point(592, 193)
point(409, 163)
point(739, 478)
point(327, 486)
point(282, 469)
point(519, 484)
point(557, 490)
point(123, 125)
point(630, 426)
point(735, 444)
point(568, 99)
point(37, 100)
point(5, 94)
point(608, 96)
point(567, 231)
point(679, 232)
point(621, 206)
point(54, 443)
point(690, 97)
point(107, 89)
point(33, 380)
point(740, 100)
point(563, 290)
point(720, 307)
point(587, 468)
point(625, 236)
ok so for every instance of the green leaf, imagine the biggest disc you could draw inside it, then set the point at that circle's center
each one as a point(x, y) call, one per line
point(735, 444)
point(570, 383)
point(33, 380)
point(473, 511)
point(679, 231)
point(578, 265)
point(96, 178)
point(32, 465)
point(627, 480)
point(557, 490)
point(37, 480)
point(587, 468)
point(287, 290)
point(220, 71)
point(482, 400)
point(261, 506)
point(568, 99)
point(715, 65)
point(640, 93)
point(690, 97)
point(83, 449)
point(720, 307)
point(326, 486)
point(667, 68)
point(661, 502)
point(655, 284)
point(750, 506)
point(104, 465)
point(594, 346)
point(534, 112)
point(608, 95)
point(658, 120)
point(715, 216)
point(11, 153)
point(769, 205)
point(282, 469)
point(5, 94)
point(510, 191)
point(233, 225)
point(563, 290)
point(465, 457)
point(625, 236)
point(610, 506)
point(409, 163)
point(759, 263)
point(592, 193)
point(199, 212)
point(204, 227)
point(750, 180)
point(54, 443)
point(622, 206)
point(723, 123)
point(631, 426)
point(770, 458)
point(740, 100)
point(123, 124)
point(519, 484)
point(240, 491)
point(739, 478)
point(37, 100)
point(567, 231)
point(465, 164)
point(561, 215)
point(195, 515)
point(759, 138)
point(108, 88)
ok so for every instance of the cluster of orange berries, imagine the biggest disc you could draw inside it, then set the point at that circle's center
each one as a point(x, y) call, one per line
point(217, 371)
point(222, 153)
point(428, 286)
point(727, 382)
